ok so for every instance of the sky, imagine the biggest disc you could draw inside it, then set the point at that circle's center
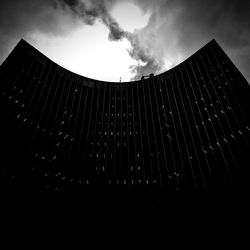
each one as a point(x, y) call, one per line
point(121, 40)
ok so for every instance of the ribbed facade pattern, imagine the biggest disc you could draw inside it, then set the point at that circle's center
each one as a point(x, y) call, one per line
point(184, 130)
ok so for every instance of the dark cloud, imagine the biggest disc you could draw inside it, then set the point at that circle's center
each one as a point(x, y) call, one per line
point(226, 21)
point(19, 18)
point(90, 11)
point(184, 26)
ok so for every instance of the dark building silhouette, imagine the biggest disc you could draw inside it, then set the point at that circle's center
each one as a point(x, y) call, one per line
point(65, 135)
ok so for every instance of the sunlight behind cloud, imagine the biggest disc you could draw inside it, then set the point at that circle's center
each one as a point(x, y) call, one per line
point(88, 52)
point(130, 16)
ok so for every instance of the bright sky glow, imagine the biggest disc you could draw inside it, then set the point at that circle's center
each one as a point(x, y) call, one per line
point(87, 50)
point(129, 16)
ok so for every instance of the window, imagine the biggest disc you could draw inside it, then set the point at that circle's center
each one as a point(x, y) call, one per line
point(176, 174)
point(225, 140)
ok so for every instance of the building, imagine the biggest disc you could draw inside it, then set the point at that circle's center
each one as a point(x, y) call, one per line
point(185, 130)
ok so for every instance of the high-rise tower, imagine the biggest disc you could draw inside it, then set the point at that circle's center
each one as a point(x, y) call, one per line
point(185, 130)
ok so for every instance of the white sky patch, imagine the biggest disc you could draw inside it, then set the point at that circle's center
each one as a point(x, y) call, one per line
point(130, 16)
point(171, 60)
point(88, 52)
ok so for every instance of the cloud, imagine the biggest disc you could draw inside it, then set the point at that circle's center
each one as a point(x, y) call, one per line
point(182, 27)
point(89, 12)
point(176, 28)
point(141, 52)
point(226, 21)
point(19, 18)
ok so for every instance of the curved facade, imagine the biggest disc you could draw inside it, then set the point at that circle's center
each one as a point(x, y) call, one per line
point(184, 130)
